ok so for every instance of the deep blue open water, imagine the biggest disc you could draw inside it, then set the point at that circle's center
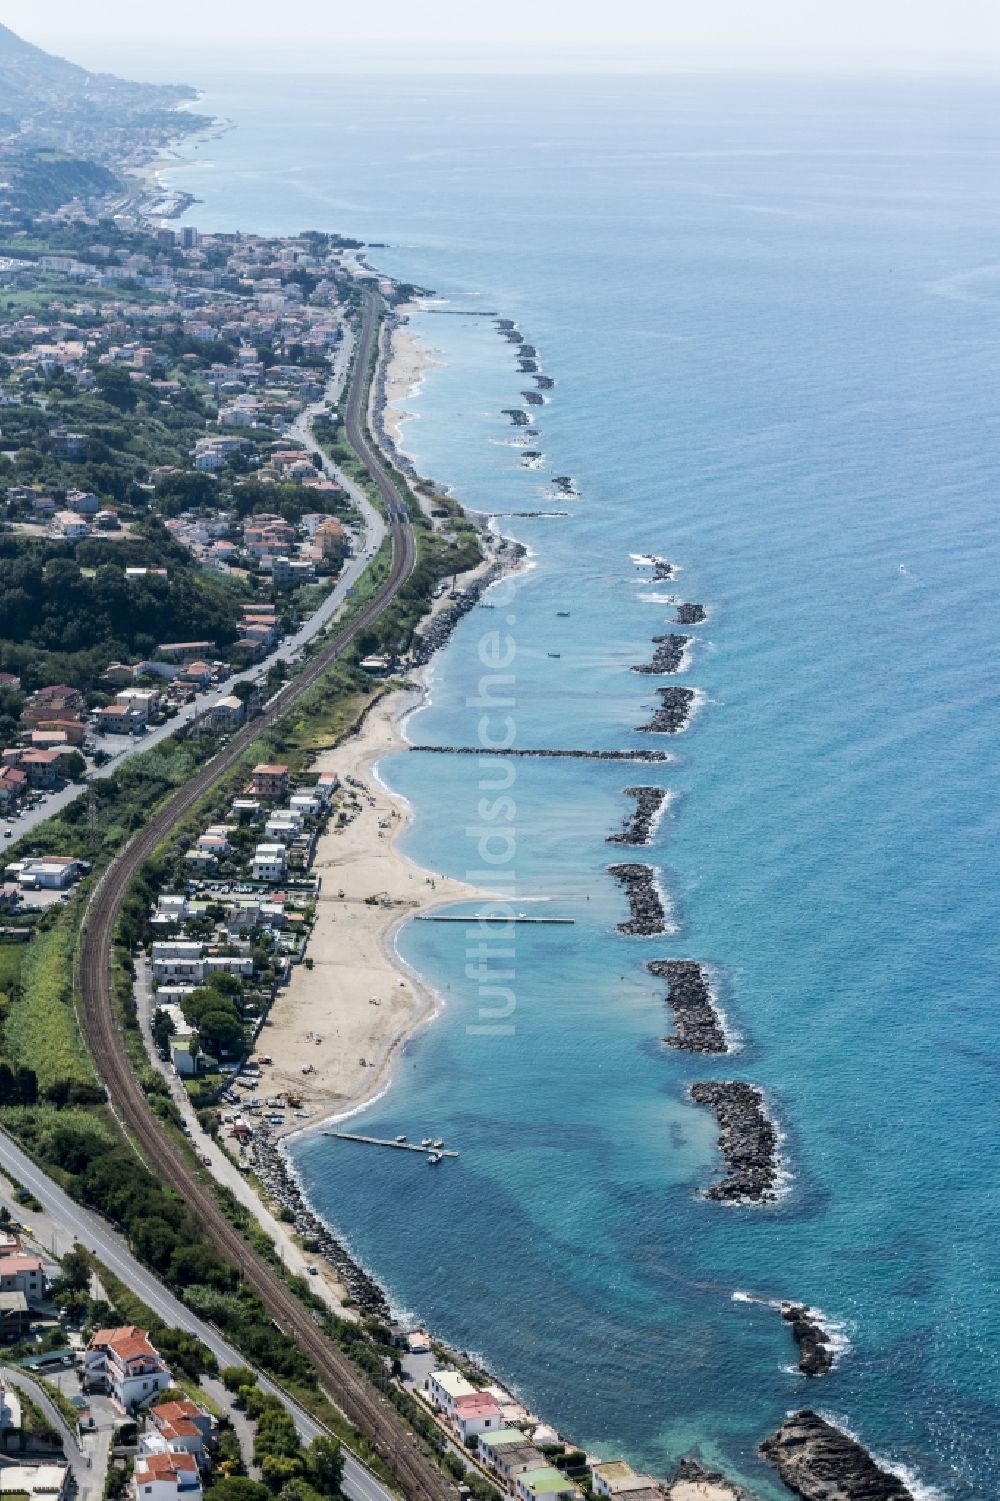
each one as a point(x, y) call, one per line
point(772, 308)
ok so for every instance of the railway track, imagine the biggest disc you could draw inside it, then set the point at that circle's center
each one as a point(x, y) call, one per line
point(346, 1384)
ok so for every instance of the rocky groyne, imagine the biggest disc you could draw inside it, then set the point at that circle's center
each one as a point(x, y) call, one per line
point(534, 398)
point(280, 1184)
point(672, 715)
point(819, 1462)
point(690, 614)
point(668, 656)
point(816, 1348)
point(519, 418)
point(748, 1142)
point(645, 757)
point(640, 823)
point(645, 903)
point(698, 1025)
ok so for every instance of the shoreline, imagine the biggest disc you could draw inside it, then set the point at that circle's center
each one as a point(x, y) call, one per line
point(359, 1000)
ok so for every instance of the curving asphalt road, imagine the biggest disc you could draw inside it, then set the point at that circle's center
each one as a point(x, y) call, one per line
point(396, 1445)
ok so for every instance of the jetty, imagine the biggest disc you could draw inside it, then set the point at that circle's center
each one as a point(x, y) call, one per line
point(426, 1148)
point(646, 757)
point(520, 917)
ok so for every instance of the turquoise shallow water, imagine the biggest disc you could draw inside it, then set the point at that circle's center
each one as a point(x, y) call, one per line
point(772, 308)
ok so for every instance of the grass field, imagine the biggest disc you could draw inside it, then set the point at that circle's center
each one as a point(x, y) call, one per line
point(40, 1026)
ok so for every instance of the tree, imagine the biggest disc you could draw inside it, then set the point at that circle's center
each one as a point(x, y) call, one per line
point(235, 1376)
point(325, 1465)
point(279, 1469)
point(116, 386)
point(238, 1488)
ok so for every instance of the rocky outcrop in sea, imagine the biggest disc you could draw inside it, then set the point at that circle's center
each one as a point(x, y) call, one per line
point(527, 367)
point(533, 398)
point(519, 418)
point(673, 713)
point(667, 657)
point(819, 1462)
point(544, 382)
point(565, 484)
point(640, 823)
point(698, 1025)
point(747, 1139)
point(280, 1184)
point(644, 900)
point(690, 614)
point(816, 1349)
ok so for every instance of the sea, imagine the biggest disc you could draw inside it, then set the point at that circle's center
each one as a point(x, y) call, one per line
point(770, 306)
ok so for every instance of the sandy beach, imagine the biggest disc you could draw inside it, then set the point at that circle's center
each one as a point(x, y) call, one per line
point(408, 360)
point(334, 1031)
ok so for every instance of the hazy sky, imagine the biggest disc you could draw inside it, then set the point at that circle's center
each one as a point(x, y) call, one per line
point(500, 32)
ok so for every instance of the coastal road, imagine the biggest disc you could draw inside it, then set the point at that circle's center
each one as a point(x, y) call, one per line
point(95, 1235)
point(347, 1385)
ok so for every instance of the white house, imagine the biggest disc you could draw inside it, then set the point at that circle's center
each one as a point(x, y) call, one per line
point(283, 828)
point(475, 1415)
point(269, 862)
point(547, 1481)
point(37, 1482)
point(446, 1386)
point(180, 1427)
point(20, 1273)
point(123, 1362)
point(167, 1477)
point(144, 701)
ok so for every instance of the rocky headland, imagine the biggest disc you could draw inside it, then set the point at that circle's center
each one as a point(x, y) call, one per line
point(673, 713)
point(640, 823)
point(667, 657)
point(698, 1025)
point(816, 1349)
point(748, 1142)
point(645, 903)
point(820, 1462)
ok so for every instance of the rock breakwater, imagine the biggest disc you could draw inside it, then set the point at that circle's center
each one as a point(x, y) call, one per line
point(668, 656)
point(672, 715)
point(645, 903)
point(698, 1024)
point(639, 825)
point(689, 613)
point(819, 1462)
point(281, 1185)
point(519, 418)
point(816, 1348)
point(747, 1139)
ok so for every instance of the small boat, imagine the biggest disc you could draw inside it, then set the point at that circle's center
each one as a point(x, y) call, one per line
point(563, 614)
point(433, 1158)
point(555, 653)
point(401, 1141)
point(426, 1142)
point(438, 1144)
